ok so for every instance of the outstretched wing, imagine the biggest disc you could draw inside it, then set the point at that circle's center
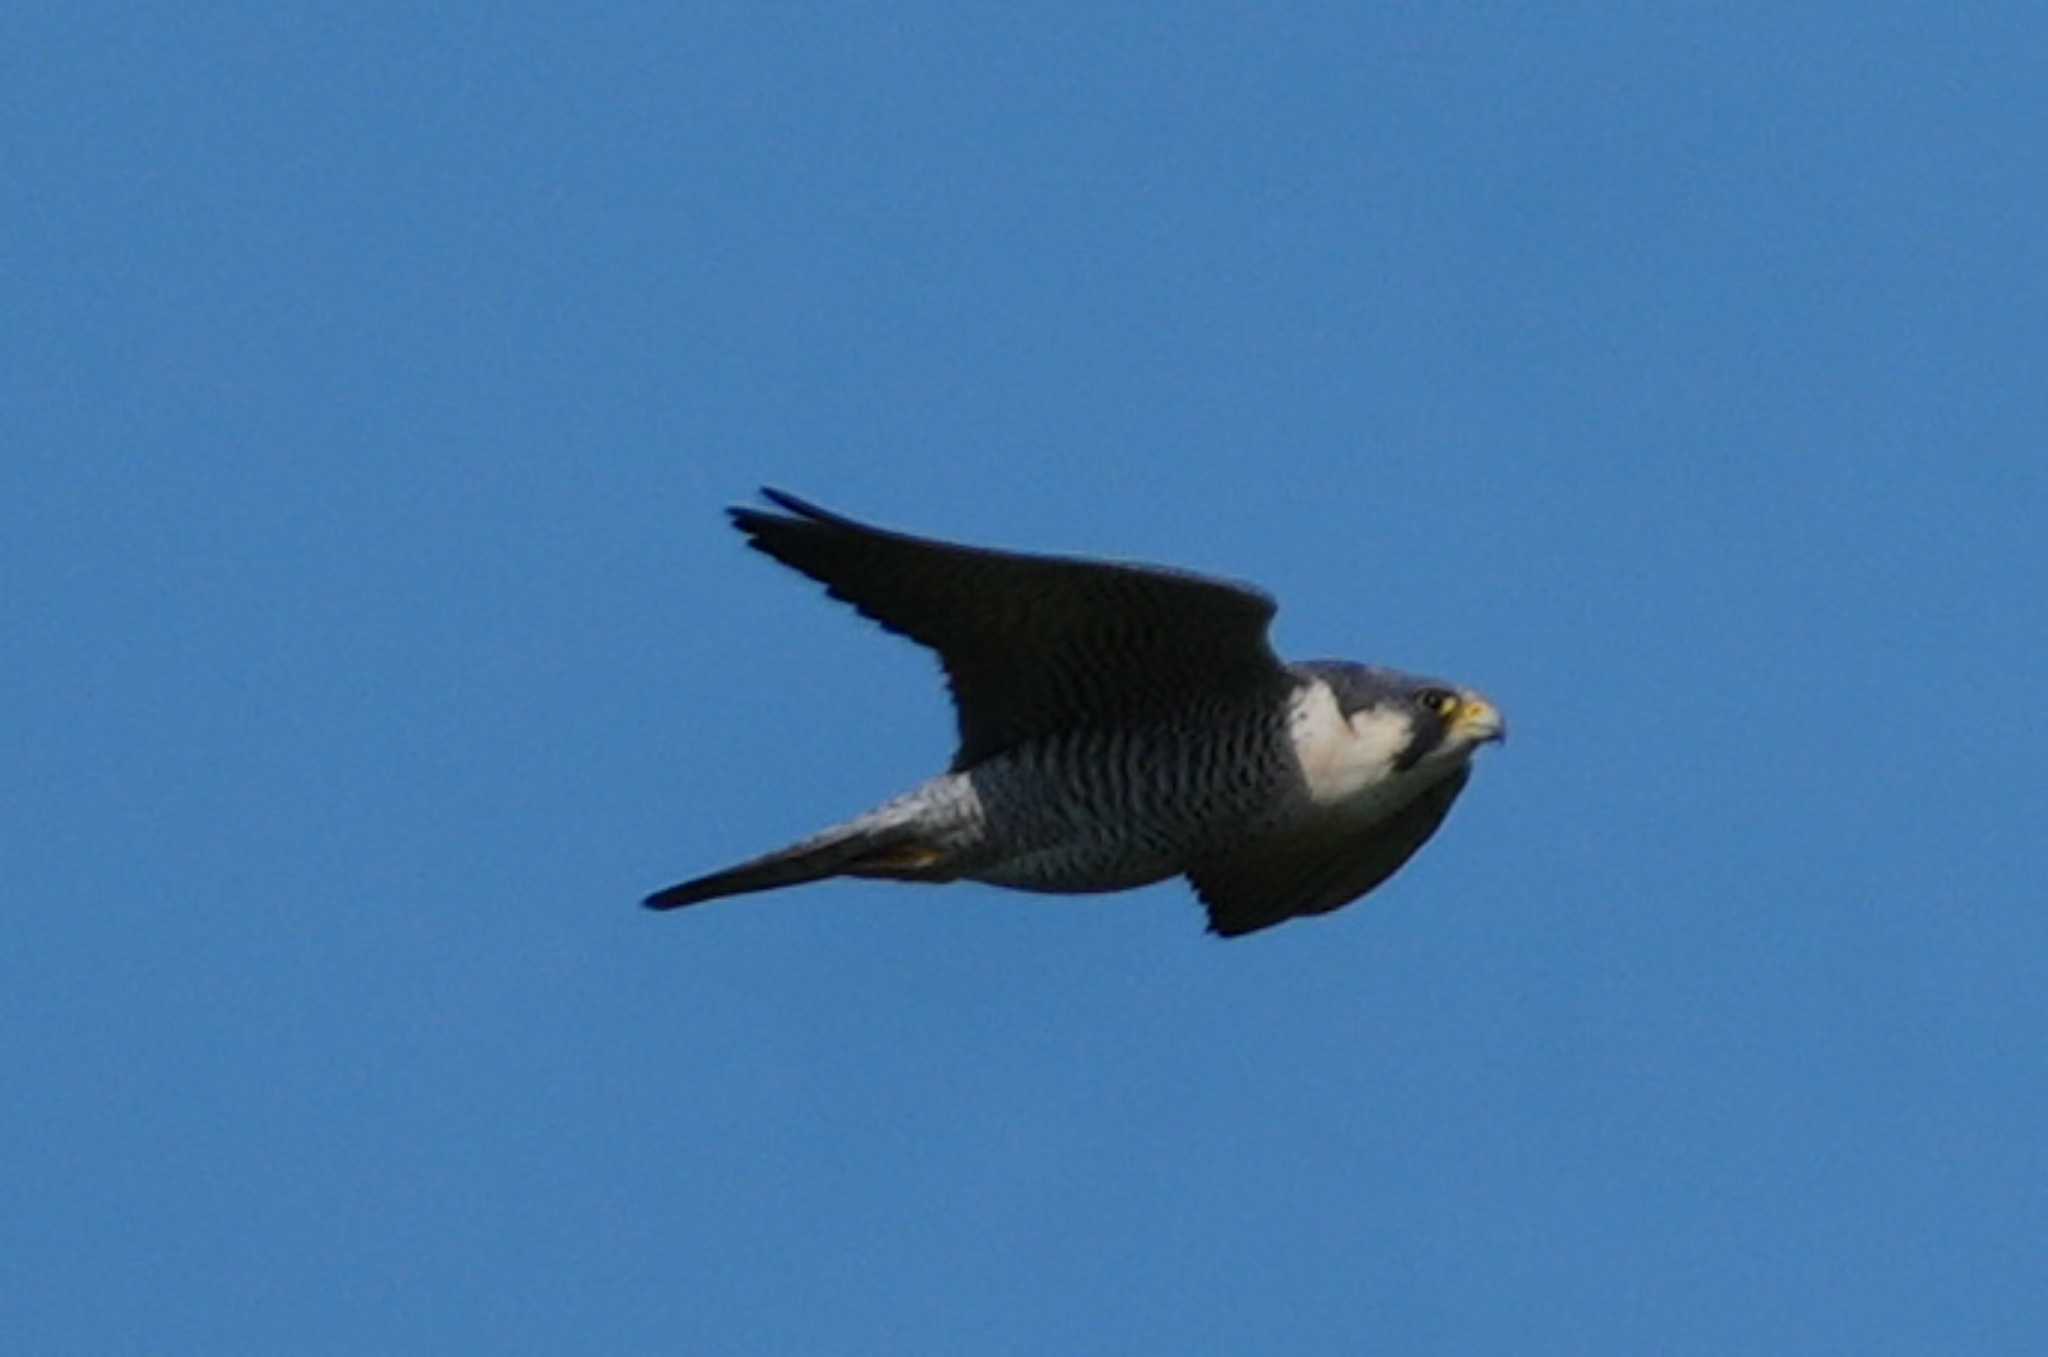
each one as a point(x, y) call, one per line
point(1033, 645)
point(1314, 870)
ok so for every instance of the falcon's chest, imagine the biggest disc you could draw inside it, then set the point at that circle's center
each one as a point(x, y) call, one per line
point(1349, 760)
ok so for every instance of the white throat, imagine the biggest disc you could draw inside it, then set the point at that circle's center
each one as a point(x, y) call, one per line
point(1348, 762)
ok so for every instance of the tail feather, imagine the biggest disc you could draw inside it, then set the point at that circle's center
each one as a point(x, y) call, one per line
point(853, 850)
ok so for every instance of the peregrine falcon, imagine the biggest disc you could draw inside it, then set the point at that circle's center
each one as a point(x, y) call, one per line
point(1121, 724)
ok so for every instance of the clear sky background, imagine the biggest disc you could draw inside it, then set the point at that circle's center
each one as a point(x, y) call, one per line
point(374, 380)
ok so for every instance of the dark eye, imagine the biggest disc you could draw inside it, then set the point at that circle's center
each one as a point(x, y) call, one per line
point(1438, 700)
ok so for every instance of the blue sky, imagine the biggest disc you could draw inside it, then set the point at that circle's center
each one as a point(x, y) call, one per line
point(374, 380)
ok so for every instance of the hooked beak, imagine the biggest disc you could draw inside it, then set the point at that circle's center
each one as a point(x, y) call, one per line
point(1479, 721)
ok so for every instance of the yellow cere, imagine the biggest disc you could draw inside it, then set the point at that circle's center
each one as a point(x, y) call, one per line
point(1473, 710)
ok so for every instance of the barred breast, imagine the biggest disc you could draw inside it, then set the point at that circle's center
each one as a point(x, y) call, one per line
point(1108, 809)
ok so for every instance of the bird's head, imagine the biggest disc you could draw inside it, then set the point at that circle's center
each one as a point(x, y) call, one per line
point(1358, 728)
point(1446, 721)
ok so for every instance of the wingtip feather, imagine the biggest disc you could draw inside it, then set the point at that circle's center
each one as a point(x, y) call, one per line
point(674, 897)
point(799, 506)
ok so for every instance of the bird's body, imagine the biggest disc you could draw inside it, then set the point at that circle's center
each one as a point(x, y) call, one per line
point(1106, 810)
point(1122, 724)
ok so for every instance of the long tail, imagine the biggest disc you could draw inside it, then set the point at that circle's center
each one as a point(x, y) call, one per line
point(877, 844)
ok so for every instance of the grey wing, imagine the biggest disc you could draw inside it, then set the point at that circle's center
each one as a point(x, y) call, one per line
point(1033, 645)
point(1288, 874)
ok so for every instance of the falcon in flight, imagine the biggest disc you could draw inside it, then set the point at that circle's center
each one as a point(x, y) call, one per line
point(1120, 724)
